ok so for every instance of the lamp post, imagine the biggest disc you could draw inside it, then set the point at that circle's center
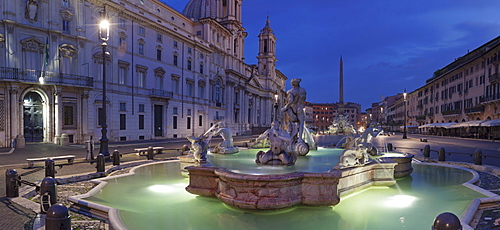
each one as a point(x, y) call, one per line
point(404, 131)
point(275, 107)
point(104, 36)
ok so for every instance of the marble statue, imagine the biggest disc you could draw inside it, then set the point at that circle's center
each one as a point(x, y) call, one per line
point(279, 152)
point(294, 116)
point(341, 125)
point(199, 148)
point(226, 146)
point(358, 149)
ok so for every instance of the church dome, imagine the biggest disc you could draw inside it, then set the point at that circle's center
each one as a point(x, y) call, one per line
point(196, 9)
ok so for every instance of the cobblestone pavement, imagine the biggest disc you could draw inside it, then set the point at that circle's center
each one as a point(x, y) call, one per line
point(15, 216)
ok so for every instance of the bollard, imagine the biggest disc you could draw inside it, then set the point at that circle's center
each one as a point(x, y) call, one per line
point(478, 157)
point(447, 221)
point(100, 163)
point(48, 193)
point(441, 154)
point(50, 169)
point(116, 157)
point(427, 151)
point(58, 217)
point(389, 147)
point(150, 153)
point(11, 183)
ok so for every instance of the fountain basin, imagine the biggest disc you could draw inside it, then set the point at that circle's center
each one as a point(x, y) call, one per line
point(264, 192)
point(403, 160)
point(269, 192)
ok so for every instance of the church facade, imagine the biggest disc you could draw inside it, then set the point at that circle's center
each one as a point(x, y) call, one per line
point(168, 74)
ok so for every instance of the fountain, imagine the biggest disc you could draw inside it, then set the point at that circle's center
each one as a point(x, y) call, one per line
point(296, 190)
point(341, 125)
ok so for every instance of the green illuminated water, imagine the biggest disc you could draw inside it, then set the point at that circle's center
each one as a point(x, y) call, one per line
point(155, 198)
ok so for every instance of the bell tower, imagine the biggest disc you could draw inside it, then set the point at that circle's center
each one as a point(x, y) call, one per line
point(267, 52)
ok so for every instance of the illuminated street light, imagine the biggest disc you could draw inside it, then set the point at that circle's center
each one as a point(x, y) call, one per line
point(104, 36)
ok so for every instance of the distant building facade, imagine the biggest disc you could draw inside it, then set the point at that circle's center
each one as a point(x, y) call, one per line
point(325, 113)
point(466, 90)
point(169, 74)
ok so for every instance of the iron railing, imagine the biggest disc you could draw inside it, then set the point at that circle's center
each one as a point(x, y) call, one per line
point(33, 76)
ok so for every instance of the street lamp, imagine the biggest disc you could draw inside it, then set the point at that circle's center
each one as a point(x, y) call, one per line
point(104, 36)
point(275, 107)
point(404, 131)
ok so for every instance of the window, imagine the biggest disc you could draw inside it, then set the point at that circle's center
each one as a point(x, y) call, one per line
point(65, 3)
point(201, 68)
point(189, 112)
point(121, 23)
point(175, 59)
point(159, 81)
point(141, 48)
point(123, 121)
point(65, 26)
point(141, 77)
point(141, 121)
point(188, 126)
point(175, 110)
point(189, 64)
point(200, 120)
point(175, 86)
point(158, 38)
point(158, 54)
point(201, 91)
point(122, 42)
point(141, 108)
point(189, 50)
point(175, 44)
point(123, 106)
point(174, 122)
point(100, 117)
point(189, 86)
point(122, 74)
point(69, 118)
point(142, 31)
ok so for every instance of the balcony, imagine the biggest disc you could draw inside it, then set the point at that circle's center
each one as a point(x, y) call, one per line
point(33, 76)
point(420, 118)
point(162, 94)
point(475, 109)
point(488, 98)
point(452, 112)
point(494, 78)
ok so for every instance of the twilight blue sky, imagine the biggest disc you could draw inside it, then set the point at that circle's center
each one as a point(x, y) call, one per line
point(386, 45)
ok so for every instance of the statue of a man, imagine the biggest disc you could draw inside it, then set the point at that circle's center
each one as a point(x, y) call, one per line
point(226, 135)
point(294, 108)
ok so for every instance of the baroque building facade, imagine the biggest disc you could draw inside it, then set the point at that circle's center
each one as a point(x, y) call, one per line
point(169, 74)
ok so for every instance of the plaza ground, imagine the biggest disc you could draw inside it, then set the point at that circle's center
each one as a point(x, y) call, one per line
point(16, 216)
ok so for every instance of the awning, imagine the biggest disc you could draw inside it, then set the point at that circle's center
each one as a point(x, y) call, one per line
point(490, 123)
point(467, 124)
point(438, 125)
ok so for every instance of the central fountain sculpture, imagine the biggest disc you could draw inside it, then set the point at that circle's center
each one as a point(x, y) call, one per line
point(341, 125)
point(276, 191)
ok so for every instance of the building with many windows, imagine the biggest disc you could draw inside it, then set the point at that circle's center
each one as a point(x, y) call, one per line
point(169, 74)
point(464, 95)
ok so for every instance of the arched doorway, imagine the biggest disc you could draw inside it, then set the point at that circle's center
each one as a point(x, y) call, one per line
point(33, 117)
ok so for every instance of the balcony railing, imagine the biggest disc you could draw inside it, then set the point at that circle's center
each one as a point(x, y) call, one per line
point(420, 118)
point(33, 76)
point(490, 98)
point(452, 112)
point(476, 109)
point(494, 78)
point(159, 93)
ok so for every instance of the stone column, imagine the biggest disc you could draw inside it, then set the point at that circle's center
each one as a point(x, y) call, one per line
point(83, 117)
point(17, 118)
point(57, 116)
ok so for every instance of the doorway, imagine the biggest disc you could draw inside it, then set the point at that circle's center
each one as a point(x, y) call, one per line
point(33, 117)
point(158, 120)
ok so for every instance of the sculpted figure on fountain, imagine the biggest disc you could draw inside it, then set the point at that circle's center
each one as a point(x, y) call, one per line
point(358, 148)
point(199, 148)
point(226, 146)
point(279, 152)
point(294, 116)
